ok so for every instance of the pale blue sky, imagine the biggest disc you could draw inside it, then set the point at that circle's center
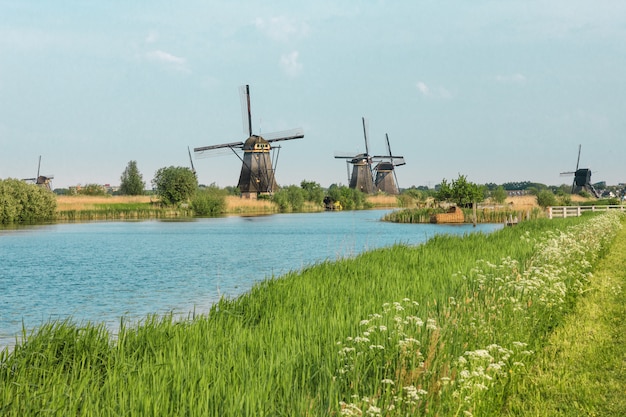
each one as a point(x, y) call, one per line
point(498, 91)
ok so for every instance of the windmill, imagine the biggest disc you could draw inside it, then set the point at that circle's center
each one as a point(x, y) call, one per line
point(361, 178)
point(385, 181)
point(582, 178)
point(257, 170)
point(41, 180)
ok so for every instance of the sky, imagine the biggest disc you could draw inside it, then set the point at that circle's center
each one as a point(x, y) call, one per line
point(495, 90)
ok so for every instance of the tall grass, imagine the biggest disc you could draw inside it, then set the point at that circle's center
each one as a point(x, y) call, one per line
point(422, 215)
point(441, 329)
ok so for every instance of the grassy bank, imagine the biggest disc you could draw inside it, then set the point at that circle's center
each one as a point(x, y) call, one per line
point(451, 327)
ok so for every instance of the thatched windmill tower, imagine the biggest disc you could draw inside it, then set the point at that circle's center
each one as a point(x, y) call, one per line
point(361, 178)
point(257, 170)
point(386, 178)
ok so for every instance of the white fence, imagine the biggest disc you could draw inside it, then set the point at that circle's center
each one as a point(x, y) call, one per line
point(575, 211)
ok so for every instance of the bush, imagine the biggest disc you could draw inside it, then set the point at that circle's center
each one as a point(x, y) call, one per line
point(22, 202)
point(93, 190)
point(289, 198)
point(174, 185)
point(546, 198)
point(210, 201)
point(349, 198)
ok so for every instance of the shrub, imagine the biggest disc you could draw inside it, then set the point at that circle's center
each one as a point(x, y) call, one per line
point(175, 185)
point(210, 201)
point(289, 198)
point(22, 202)
point(546, 198)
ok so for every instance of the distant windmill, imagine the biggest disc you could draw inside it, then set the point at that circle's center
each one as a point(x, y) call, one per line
point(582, 178)
point(361, 178)
point(41, 180)
point(385, 181)
point(257, 173)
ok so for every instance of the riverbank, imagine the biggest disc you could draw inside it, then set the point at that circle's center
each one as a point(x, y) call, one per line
point(450, 326)
point(137, 207)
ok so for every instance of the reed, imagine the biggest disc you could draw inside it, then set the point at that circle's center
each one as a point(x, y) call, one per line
point(446, 327)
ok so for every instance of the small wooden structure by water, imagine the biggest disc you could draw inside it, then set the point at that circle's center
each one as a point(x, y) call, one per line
point(453, 215)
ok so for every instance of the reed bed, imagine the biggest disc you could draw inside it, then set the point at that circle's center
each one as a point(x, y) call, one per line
point(423, 215)
point(445, 328)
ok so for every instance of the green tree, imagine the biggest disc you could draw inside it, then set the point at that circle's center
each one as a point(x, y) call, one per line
point(460, 191)
point(499, 194)
point(131, 180)
point(546, 198)
point(174, 185)
point(92, 189)
point(289, 198)
point(349, 198)
point(313, 192)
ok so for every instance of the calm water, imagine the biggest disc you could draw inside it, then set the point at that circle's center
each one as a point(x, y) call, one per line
point(101, 271)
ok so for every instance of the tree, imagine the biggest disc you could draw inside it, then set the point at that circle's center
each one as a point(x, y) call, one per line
point(131, 180)
point(499, 195)
point(546, 198)
point(462, 192)
point(174, 185)
point(313, 191)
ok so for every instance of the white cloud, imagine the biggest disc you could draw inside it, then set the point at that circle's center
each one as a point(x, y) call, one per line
point(511, 78)
point(281, 28)
point(438, 92)
point(423, 88)
point(289, 63)
point(168, 59)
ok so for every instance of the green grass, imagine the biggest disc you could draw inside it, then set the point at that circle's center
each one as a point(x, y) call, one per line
point(582, 370)
point(446, 328)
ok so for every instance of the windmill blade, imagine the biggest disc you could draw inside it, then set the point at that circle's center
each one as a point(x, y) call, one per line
point(223, 145)
point(296, 133)
point(365, 134)
point(246, 114)
point(388, 146)
point(193, 169)
point(38, 166)
point(345, 155)
point(567, 174)
point(578, 160)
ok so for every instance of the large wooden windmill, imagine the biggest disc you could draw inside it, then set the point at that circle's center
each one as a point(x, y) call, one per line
point(361, 177)
point(257, 170)
point(386, 178)
point(582, 178)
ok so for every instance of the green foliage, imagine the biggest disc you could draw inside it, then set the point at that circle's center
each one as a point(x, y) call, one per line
point(349, 198)
point(92, 190)
point(174, 185)
point(461, 192)
point(22, 202)
point(546, 198)
point(584, 194)
point(232, 190)
point(131, 180)
point(209, 201)
point(313, 192)
point(499, 195)
point(290, 198)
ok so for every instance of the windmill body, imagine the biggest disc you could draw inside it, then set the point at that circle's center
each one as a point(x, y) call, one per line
point(361, 178)
point(257, 170)
point(257, 174)
point(386, 179)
